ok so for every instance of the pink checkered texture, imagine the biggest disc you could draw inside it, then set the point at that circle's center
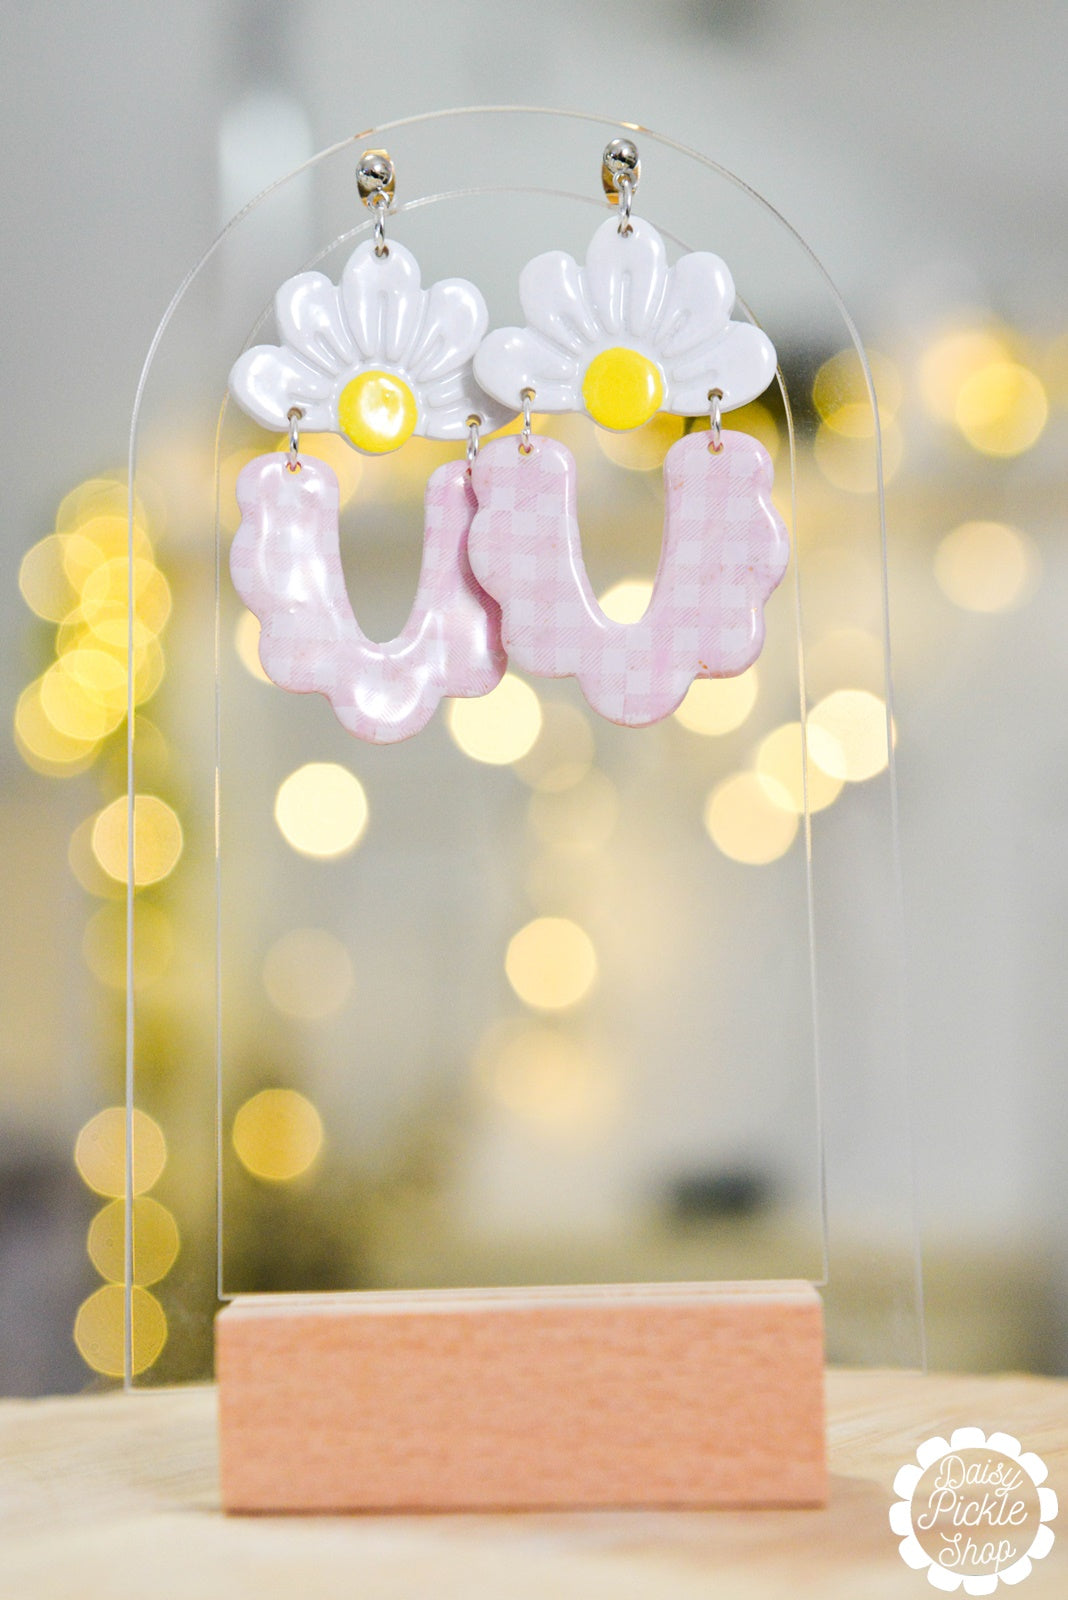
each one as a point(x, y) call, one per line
point(725, 549)
point(286, 565)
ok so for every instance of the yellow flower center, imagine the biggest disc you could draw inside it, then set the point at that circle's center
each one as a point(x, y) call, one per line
point(378, 412)
point(622, 389)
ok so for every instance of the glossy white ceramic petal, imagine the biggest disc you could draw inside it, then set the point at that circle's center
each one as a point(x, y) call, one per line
point(445, 407)
point(697, 304)
point(267, 381)
point(510, 360)
point(383, 302)
point(741, 362)
point(552, 292)
point(454, 321)
point(312, 323)
point(626, 277)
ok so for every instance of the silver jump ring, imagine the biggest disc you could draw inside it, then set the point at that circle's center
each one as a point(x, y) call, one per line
point(526, 443)
point(380, 205)
point(625, 187)
point(294, 416)
point(473, 425)
point(715, 421)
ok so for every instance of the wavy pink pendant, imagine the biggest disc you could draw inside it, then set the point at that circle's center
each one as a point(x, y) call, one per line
point(286, 566)
point(725, 549)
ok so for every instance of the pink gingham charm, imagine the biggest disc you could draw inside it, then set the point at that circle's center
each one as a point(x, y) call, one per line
point(725, 549)
point(286, 566)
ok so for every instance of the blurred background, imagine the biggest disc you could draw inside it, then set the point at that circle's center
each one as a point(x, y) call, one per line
point(527, 999)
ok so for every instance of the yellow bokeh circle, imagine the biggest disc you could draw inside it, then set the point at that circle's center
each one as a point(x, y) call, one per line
point(780, 765)
point(155, 1241)
point(498, 727)
point(1001, 409)
point(855, 720)
point(99, 1329)
point(746, 824)
point(551, 963)
point(321, 810)
point(307, 974)
point(100, 1152)
point(157, 839)
point(714, 706)
point(277, 1134)
point(986, 566)
point(627, 601)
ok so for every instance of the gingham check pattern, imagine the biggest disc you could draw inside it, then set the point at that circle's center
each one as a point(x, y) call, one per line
point(725, 549)
point(286, 565)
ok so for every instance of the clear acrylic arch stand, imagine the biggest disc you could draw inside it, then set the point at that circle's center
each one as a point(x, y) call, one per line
point(730, 1101)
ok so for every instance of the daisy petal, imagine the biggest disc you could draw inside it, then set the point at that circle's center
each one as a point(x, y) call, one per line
point(510, 360)
point(266, 382)
point(383, 301)
point(552, 292)
point(626, 275)
point(741, 362)
point(447, 406)
point(311, 322)
point(454, 320)
point(697, 305)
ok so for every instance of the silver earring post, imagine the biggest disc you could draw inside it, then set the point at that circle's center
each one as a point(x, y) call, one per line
point(620, 171)
point(376, 181)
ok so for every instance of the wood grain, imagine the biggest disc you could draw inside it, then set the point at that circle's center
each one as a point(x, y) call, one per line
point(117, 1496)
point(663, 1395)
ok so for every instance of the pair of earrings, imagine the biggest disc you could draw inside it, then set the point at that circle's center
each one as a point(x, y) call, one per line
point(377, 358)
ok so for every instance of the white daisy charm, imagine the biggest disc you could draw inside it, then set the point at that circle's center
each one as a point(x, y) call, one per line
point(375, 358)
point(626, 335)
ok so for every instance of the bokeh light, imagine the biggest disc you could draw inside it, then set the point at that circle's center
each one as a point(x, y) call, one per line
point(321, 810)
point(746, 824)
point(247, 645)
point(714, 706)
point(157, 839)
point(156, 1241)
point(99, 1329)
point(546, 1078)
point(848, 460)
point(551, 963)
point(987, 566)
point(498, 727)
point(856, 722)
point(40, 742)
point(104, 945)
point(277, 1134)
point(782, 771)
point(43, 580)
point(100, 1152)
point(840, 393)
point(950, 360)
point(563, 752)
point(628, 600)
point(579, 819)
point(1002, 409)
point(641, 449)
point(307, 974)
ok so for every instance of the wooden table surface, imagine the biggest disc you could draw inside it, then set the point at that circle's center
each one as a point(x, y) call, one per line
point(116, 1498)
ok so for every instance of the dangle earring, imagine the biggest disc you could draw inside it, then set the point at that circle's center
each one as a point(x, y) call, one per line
point(623, 337)
point(375, 358)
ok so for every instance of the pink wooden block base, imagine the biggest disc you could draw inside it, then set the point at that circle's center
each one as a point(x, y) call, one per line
point(644, 1395)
